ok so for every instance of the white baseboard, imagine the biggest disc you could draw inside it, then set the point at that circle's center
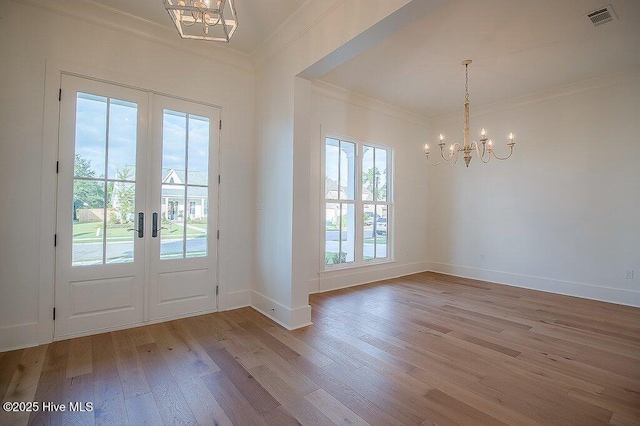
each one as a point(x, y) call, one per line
point(235, 300)
point(568, 288)
point(335, 280)
point(290, 319)
point(134, 324)
point(19, 336)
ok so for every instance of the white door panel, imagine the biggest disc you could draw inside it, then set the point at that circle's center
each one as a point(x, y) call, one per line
point(100, 266)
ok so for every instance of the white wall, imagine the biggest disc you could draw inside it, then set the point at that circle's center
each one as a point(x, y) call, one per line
point(277, 291)
point(102, 44)
point(562, 215)
point(339, 112)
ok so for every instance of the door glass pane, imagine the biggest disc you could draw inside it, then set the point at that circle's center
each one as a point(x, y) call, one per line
point(381, 231)
point(88, 222)
point(348, 232)
point(172, 234)
point(120, 218)
point(105, 151)
point(91, 135)
point(123, 127)
point(368, 237)
point(185, 178)
point(347, 170)
point(332, 233)
point(197, 222)
point(381, 174)
point(174, 142)
point(367, 173)
point(331, 168)
point(198, 150)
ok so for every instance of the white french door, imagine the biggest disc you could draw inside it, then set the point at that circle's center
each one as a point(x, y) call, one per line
point(137, 200)
point(184, 195)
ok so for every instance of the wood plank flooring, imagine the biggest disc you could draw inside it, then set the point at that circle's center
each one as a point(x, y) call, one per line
point(425, 349)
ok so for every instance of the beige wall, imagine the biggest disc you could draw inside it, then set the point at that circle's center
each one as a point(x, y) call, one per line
point(337, 112)
point(35, 45)
point(562, 214)
point(282, 267)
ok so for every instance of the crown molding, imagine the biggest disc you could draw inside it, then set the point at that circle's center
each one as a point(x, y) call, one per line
point(307, 16)
point(606, 80)
point(92, 13)
point(356, 99)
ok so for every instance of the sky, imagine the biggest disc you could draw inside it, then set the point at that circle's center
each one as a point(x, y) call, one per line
point(332, 152)
point(91, 136)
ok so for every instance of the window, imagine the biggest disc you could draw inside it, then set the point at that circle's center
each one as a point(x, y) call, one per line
point(357, 188)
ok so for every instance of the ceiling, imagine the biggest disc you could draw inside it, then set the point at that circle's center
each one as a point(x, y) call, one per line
point(257, 19)
point(518, 47)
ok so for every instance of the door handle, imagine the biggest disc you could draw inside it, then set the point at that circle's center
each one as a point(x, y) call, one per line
point(154, 225)
point(140, 225)
point(140, 229)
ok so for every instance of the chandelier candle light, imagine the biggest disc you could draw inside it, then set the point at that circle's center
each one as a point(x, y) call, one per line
point(483, 153)
point(213, 20)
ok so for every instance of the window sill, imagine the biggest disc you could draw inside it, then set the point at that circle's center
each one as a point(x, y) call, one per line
point(349, 266)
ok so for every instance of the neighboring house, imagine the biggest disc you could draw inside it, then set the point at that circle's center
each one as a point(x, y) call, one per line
point(333, 192)
point(172, 198)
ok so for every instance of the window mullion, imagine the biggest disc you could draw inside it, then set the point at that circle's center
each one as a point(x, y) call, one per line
point(340, 231)
point(186, 186)
point(339, 204)
point(358, 225)
point(339, 169)
point(106, 184)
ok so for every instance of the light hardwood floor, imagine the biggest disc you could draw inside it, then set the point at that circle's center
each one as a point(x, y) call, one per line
point(424, 349)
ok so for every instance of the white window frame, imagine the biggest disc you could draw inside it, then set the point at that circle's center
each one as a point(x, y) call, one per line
point(359, 261)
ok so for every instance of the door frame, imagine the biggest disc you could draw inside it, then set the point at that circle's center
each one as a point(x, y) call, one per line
point(42, 331)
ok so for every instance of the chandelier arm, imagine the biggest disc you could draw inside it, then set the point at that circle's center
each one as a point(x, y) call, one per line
point(442, 154)
point(476, 146)
point(454, 153)
point(436, 164)
point(190, 23)
point(504, 158)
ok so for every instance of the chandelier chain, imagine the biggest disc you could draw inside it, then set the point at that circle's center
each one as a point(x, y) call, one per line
point(466, 84)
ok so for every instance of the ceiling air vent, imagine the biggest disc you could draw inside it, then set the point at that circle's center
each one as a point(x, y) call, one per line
point(602, 15)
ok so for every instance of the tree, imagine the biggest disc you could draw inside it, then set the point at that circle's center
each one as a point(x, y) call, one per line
point(372, 180)
point(86, 193)
point(124, 194)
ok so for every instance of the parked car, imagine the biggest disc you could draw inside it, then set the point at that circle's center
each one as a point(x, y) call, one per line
point(381, 226)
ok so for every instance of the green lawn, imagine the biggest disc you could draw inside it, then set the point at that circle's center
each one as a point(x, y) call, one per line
point(86, 232)
point(382, 239)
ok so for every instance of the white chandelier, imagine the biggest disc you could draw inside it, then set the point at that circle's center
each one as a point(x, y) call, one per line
point(483, 153)
point(213, 20)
